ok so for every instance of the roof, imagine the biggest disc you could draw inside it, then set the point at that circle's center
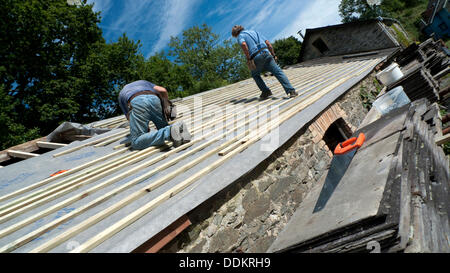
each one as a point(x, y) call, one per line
point(381, 198)
point(113, 199)
point(348, 41)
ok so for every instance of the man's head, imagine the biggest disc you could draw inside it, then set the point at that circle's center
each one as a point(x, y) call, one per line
point(236, 30)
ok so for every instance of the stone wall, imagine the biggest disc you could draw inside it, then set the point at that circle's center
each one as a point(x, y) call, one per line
point(248, 215)
point(347, 39)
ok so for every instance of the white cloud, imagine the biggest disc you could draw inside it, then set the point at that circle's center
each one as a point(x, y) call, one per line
point(174, 19)
point(154, 22)
point(263, 14)
point(319, 13)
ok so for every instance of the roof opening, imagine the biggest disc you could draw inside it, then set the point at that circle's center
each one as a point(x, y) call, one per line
point(320, 45)
point(14, 159)
point(337, 132)
point(10, 161)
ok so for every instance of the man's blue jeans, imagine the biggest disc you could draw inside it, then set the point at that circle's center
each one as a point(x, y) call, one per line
point(265, 62)
point(145, 108)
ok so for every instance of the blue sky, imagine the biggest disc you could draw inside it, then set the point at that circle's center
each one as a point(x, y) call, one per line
point(153, 22)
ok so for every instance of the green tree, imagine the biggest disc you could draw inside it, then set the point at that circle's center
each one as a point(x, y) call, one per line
point(353, 10)
point(211, 63)
point(161, 71)
point(408, 12)
point(12, 132)
point(55, 66)
point(287, 50)
point(107, 68)
point(43, 45)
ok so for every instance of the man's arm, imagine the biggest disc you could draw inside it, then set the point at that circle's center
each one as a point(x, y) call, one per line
point(124, 107)
point(161, 90)
point(269, 46)
point(245, 49)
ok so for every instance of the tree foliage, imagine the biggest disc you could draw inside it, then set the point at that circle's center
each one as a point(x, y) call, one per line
point(175, 78)
point(353, 10)
point(408, 12)
point(55, 66)
point(211, 63)
point(287, 50)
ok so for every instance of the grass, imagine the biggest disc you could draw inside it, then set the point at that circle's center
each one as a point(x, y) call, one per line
point(367, 96)
point(402, 39)
point(409, 18)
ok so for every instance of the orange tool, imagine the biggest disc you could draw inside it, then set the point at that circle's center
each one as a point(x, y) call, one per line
point(343, 155)
point(350, 144)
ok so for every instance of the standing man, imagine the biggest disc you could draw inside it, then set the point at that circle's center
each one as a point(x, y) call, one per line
point(140, 101)
point(257, 48)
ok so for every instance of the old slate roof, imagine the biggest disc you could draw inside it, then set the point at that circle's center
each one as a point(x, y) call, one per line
point(393, 196)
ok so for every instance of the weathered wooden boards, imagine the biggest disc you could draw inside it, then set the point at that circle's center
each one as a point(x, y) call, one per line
point(442, 139)
point(393, 197)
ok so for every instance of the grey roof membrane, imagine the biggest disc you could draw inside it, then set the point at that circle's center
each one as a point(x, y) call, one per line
point(32, 170)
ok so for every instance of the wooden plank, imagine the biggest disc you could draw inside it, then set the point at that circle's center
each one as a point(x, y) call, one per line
point(161, 239)
point(29, 146)
point(50, 179)
point(20, 154)
point(76, 148)
point(21, 202)
point(102, 236)
point(201, 117)
point(50, 145)
point(50, 244)
point(4, 157)
point(77, 137)
point(442, 139)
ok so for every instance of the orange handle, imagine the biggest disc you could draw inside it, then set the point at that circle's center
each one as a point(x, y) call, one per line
point(58, 172)
point(350, 144)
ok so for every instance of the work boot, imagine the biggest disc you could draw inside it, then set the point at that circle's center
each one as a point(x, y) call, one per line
point(185, 135)
point(179, 133)
point(293, 94)
point(265, 95)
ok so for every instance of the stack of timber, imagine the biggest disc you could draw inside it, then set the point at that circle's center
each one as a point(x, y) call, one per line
point(430, 53)
point(418, 83)
point(423, 65)
point(398, 204)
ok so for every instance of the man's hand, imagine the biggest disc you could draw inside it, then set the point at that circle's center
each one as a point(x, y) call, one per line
point(269, 46)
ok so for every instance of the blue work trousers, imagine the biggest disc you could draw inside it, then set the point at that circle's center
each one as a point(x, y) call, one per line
point(265, 62)
point(146, 108)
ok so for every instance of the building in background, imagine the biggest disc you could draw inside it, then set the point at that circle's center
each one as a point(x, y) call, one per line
point(435, 20)
point(354, 37)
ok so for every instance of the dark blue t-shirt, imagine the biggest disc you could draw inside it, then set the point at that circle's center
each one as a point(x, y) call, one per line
point(131, 89)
